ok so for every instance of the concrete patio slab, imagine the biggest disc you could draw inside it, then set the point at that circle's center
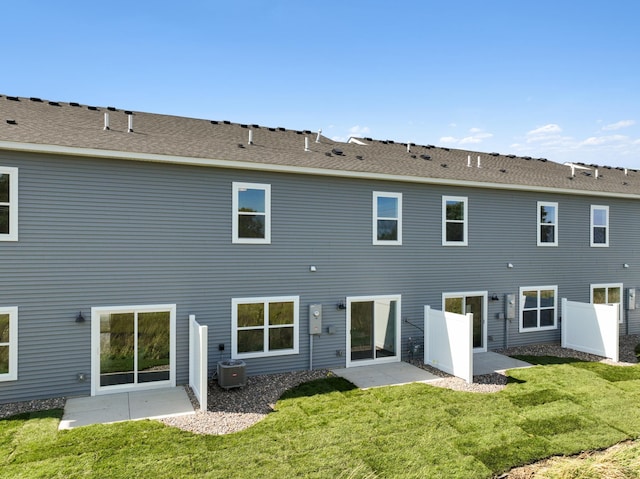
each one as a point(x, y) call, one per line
point(387, 374)
point(490, 362)
point(153, 404)
point(395, 374)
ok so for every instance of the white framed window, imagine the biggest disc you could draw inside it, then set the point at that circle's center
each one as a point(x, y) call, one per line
point(8, 344)
point(387, 218)
point(599, 226)
point(251, 213)
point(608, 293)
point(8, 204)
point(454, 221)
point(538, 308)
point(264, 326)
point(547, 223)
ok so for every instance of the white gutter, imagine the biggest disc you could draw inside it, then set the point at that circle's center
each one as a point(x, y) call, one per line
point(244, 165)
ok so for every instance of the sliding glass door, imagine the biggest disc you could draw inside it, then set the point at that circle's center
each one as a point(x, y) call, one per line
point(374, 329)
point(134, 348)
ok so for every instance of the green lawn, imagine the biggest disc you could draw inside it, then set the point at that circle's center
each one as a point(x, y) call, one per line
point(328, 429)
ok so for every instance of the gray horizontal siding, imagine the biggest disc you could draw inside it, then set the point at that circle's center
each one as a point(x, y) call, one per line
point(114, 233)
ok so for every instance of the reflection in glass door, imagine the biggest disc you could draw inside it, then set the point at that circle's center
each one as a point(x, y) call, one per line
point(373, 329)
point(474, 303)
point(134, 347)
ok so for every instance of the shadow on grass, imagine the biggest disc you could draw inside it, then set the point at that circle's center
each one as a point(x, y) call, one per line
point(611, 372)
point(25, 416)
point(319, 386)
point(546, 360)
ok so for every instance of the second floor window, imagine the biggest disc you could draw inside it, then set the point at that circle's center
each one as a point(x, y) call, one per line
point(8, 204)
point(251, 213)
point(599, 226)
point(387, 218)
point(454, 221)
point(547, 224)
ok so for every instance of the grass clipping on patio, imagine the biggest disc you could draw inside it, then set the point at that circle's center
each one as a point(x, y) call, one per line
point(327, 428)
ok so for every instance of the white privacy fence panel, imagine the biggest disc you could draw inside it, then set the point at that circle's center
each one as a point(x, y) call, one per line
point(448, 342)
point(591, 328)
point(198, 360)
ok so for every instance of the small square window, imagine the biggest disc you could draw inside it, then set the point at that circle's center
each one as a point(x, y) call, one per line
point(264, 326)
point(538, 308)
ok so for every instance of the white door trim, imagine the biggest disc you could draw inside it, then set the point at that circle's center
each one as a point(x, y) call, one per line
point(485, 296)
point(390, 359)
point(96, 389)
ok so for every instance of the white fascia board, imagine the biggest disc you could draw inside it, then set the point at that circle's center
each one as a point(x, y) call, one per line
point(244, 165)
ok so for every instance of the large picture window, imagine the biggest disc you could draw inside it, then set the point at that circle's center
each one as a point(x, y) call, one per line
point(454, 221)
point(8, 344)
point(599, 226)
point(387, 218)
point(8, 204)
point(264, 326)
point(547, 224)
point(538, 308)
point(251, 213)
point(610, 293)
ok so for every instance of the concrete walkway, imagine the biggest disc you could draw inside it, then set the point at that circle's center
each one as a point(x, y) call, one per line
point(108, 408)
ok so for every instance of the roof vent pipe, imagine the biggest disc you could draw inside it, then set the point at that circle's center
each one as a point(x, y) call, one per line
point(251, 137)
point(408, 147)
point(468, 161)
point(625, 172)
point(573, 170)
point(479, 162)
point(306, 143)
point(318, 137)
point(130, 123)
point(106, 121)
point(596, 173)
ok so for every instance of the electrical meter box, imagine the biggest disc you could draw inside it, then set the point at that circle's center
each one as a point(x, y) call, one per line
point(510, 306)
point(631, 298)
point(315, 319)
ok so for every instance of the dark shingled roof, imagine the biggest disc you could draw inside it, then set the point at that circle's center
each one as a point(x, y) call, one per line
point(70, 125)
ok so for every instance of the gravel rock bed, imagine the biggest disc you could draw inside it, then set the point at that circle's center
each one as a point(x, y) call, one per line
point(11, 409)
point(236, 409)
point(232, 410)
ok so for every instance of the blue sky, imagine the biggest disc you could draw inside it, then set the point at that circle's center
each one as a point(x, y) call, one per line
point(555, 79)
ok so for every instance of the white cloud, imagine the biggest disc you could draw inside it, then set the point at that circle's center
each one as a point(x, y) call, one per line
point(453, 125)
point(601, 140)
point(545, 130)
point(618, 125)
point(477, 135)
point(358, 130)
